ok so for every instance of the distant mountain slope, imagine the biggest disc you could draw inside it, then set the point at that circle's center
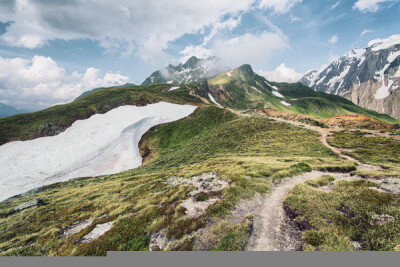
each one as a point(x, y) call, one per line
point(242, 88)
point(95, 89)
point(193, 70)
point(6, 110)
point(368, 77)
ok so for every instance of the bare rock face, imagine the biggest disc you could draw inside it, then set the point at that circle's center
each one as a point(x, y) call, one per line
point(30, 204)
point(369, 77)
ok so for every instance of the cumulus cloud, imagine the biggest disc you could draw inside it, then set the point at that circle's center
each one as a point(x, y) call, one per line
point(40, 82)
point(279, 6)
point(369, 5)
point(142, 26)
point(333, 39)
point(249, 48)
point(282, 74)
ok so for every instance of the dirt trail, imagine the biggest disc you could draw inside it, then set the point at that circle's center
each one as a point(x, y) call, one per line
point(271, 231)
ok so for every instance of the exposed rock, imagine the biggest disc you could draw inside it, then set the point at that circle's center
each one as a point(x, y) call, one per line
point(30, 204)
point(357, 245)
point(158, 241)
point(388, 185)
point(382, 219)
point(97, 232)
point(195, 208)
point(76, 228)
point(207, 182)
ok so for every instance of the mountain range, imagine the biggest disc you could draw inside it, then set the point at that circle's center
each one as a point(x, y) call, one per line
point(369, 77)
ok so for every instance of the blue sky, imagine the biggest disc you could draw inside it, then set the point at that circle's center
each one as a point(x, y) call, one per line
point(51, 51)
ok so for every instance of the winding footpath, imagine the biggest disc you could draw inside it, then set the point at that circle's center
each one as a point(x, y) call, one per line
point(271, 231)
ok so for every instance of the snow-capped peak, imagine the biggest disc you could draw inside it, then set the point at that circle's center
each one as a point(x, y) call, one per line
point(379, 44)
point(355, 53)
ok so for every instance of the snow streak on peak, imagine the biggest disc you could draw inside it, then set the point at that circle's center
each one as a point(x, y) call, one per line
point(379, 44)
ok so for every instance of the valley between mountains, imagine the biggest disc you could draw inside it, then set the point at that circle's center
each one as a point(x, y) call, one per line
point(227, 162)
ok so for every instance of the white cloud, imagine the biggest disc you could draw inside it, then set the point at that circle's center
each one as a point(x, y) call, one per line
point(197, 51)
point(40, 82)
point(229, 24)
point(249, 48)
point(282, 74)
point(279, 6)
point(336, 4)
point(294, 19)
point(143, 26)
point(364, 32)
point(368, 5)
point(333, 39)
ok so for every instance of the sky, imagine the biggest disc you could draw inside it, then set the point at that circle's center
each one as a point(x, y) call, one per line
point(52, 51)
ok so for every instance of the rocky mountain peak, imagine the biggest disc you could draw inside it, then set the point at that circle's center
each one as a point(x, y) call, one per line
point(192, 70)
point(370, 76)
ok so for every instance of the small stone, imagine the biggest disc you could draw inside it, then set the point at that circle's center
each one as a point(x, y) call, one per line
point(382, 219)
point(357, 245)
point(30, 204)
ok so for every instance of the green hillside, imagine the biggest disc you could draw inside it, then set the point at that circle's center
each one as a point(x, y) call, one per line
point(244, 89)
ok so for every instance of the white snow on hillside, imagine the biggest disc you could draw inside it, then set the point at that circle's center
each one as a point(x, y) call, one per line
point(213, 100)
point(286, 103)
point(384, 90)
point(272, 86)
point(103, 144)
point(277, 94)
point(174, 88)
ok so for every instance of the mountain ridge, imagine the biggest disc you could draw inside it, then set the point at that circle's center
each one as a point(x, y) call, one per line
point(192, 70)
point(369, 77)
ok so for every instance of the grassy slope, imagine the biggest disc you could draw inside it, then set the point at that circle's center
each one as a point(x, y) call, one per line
point(378, 151)
point(211, 139)
point(325, 228)
point(322, 105)
point(58, 118)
